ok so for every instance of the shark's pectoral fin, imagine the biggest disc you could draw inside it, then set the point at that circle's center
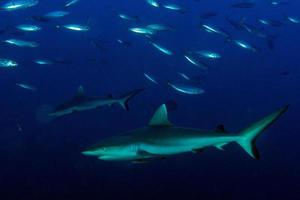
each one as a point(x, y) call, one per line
point(160, 117)
point(199, 150)
point(146, 154)
point(146, 160)
point(140, 161)
point(220, 146)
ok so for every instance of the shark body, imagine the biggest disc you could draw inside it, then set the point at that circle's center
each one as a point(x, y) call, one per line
point(81, 102)
point(161, 139)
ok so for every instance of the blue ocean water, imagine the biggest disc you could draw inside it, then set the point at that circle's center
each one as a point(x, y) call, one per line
point(42, 159)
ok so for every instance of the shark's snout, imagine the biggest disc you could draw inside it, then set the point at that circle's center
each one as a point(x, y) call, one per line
point(88, 153)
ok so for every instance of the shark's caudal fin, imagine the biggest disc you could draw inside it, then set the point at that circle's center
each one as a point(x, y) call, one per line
point(126, 97)
point(248, 136)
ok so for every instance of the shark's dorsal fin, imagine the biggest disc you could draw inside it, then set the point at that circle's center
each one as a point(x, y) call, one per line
point(79, 94)
point(220, 129)
point(160, 117)
point(80, 91)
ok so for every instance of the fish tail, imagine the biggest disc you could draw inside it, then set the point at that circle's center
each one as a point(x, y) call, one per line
point(124, 99)
point(247, 137)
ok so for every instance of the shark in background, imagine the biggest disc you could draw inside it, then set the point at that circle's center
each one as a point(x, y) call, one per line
point(161, 139)
point(81, 102)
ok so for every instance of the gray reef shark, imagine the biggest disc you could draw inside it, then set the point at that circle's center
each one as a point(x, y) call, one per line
point(81, 102)
point(161, 139)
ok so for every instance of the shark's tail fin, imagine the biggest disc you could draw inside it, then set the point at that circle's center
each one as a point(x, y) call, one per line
point(126, 97)
point(248, 136)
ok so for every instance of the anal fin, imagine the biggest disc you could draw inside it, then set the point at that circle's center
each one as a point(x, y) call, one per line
point(220, 146)
point(200, 150)
point(140, 161)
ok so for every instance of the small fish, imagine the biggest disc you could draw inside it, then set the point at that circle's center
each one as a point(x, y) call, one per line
point(20, 129)
point(184, 76)
point(153, 3)
point(244, 45)
point(150, 78)
point(7, 63)
point(278, 3)
point(26, 86)
point(243, 5)
point(186, 89)
point(254, 30)
point(28, 27)
point(294, 20)
point(193, 61)
point(124, 42)
point(21, 43)
point(174, 7)
point(129, 18)
point(162, 49)
point(211, 29)
point(13, 5)
point(143, 31)
point(43, 62)
point(158, 27)
point(76, 27)
point(209, 54)
point(71, 3)
point(56, 14)
point(270, 22)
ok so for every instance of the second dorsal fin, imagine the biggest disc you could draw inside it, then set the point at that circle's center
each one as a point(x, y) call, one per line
point(160, 117)
point(220, 129)
point(80, 93)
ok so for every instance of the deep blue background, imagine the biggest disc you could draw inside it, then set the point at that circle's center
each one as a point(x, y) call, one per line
point(44, 161)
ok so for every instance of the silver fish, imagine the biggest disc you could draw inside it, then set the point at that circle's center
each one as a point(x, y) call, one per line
point(127, 17)
point(28, 27)
point(195, 62)
point(186, 89)
point(174, 7)
point(150, 78)
point(162, 49)
point(209, 54)
point(71, 3)
point(211, 29)
point(158, 27)
point(244, 45)
point(154, 3)
point(21, 43)
point(294, 20)
point(26, 86)
point(7, 63)
point(76, 27)
point(43, 62)
point(13, 5)
point(56, 14)
point(143, 31)
point(184, 76)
